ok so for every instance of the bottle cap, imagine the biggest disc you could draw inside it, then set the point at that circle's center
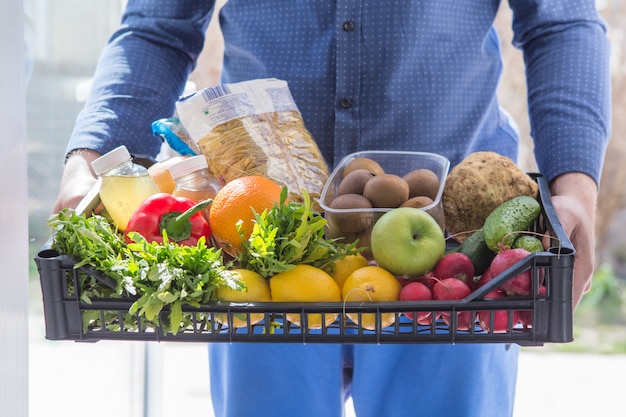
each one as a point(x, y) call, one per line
point(187, 166)
point(110, 160)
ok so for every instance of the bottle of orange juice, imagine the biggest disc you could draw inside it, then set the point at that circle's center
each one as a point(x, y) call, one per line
point(193, 180)
point(160, 172)
point(125, 185)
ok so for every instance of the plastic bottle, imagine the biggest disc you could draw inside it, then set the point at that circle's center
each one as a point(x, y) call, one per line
point(125, 185)
point(193, 180)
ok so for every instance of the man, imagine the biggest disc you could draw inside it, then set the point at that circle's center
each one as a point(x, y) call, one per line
point(403, 75)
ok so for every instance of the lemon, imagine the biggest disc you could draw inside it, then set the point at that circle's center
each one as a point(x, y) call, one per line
point(258, 289)
point(342, 268)
point(371, 284)
point(306, 283)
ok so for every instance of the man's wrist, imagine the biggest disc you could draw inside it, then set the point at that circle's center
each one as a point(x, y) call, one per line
point(573, 183)
point(84, 153)
point(78, 161)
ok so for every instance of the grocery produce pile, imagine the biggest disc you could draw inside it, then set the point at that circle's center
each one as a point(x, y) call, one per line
point(253, 243)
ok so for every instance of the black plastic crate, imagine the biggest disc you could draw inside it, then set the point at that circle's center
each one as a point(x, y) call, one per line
point(68, 317)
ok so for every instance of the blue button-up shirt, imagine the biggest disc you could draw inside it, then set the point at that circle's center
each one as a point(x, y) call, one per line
point(370, 74)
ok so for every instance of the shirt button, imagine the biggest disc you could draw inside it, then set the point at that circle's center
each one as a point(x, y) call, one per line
point(348, 25)
point(345, 103)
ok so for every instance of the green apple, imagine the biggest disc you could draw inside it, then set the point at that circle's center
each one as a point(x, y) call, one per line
point(407, 241)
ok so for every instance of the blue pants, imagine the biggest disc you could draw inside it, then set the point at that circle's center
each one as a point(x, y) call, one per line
point(263, 380)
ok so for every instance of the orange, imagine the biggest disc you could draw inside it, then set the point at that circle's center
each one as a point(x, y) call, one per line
point(342, 268)
point(257, 289)
point(306, 283)
point(371, 284)
point(234, 203)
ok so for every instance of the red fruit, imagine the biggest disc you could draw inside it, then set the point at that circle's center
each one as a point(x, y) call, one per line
point(416, 291)
point(454, 289)
point(526, 316)
point(500, 322)
point(520, 284)
point(455, 265)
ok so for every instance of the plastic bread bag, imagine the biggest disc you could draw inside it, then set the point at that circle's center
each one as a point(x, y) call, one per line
point(254, 128)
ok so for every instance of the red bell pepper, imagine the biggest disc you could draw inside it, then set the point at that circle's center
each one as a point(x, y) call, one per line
point(180, 217)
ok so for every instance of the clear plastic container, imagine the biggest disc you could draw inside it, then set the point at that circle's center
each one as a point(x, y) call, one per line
point(194, 181)
point(393, 162)
point(125, 185)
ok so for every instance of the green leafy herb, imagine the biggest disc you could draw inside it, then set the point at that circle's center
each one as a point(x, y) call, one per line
point(160, 274)
point(289, 234)
point(91, 241)
point(172, 274)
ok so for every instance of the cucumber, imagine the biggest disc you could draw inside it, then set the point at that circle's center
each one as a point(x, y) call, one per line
point(476, 249)
point(514, 215)
point(528, 242)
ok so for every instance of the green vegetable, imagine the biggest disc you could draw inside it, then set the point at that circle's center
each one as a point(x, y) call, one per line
point(91, 241)
point(502, 225)
point(528, 242)
point(476, 249)
point(171, 274)
point(289, 234)
point(160, 275)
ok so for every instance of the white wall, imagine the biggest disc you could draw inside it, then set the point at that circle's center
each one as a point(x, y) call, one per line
point(13, 216)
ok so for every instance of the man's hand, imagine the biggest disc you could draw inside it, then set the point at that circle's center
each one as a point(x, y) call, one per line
point(574, 196)
point(78, 178)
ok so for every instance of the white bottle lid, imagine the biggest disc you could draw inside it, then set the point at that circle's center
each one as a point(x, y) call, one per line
point(187, 166)
point(111, 159)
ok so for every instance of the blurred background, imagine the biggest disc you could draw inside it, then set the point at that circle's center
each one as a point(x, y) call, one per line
point(64, 39)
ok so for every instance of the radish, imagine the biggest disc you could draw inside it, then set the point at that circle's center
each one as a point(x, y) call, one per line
point(520, 284)
point(455, 265)
point(453, 289)
point(404, 280)
point(429, 280)
point(484, 279)
point(450, 289)
point(500, 322)
point(416, 291)
point(526, 316)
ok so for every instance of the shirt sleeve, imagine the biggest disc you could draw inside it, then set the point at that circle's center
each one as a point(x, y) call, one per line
point(566, 52)
point(140, 75)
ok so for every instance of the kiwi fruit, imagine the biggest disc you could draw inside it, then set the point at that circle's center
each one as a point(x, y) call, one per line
point(386, 191)
point(422, 182)
point(422, 201)
point(417, 202)
point(354, 182)
point(363, 163)
point(350, 221)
